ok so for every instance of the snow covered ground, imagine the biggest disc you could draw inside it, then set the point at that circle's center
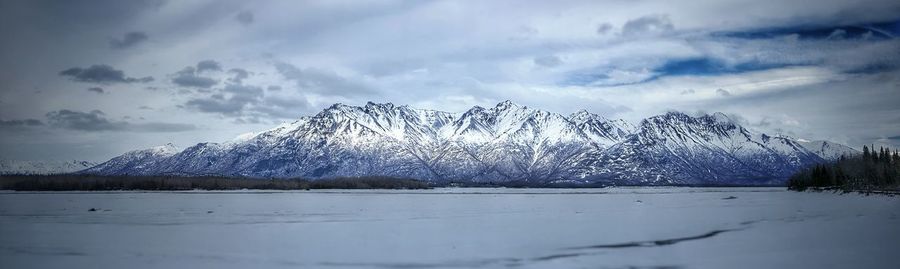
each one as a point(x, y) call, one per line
point(451, 228)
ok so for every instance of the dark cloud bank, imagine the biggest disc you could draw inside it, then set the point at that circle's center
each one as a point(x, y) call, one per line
point(96, 121)
point(191, 76)
point(21, 123)
point(244, 17)
point(128, 40)
point(102, 74)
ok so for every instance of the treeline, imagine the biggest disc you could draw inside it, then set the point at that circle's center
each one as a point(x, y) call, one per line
point(174, 183)
point(873, 170)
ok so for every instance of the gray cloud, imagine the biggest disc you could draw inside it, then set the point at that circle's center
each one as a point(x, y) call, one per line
point(688, 91)
point(723, 92)
point(194, 81)
point(391, 67)
point(652, 24)
point(160, 127)
point(188, 77)
point(102, 74)
point(603, 28)
point(83, 121)
point(97, 90)
point(778, 125)
point(238, 99)
point(244, 17)
point(239, 75)
point(273, 88)
point(285, 108)
point(128, 40)
point(322, 81)
point(244, 90)
point(208, 65)
point(96, 121)
point(548, 61)
point(20, 123)
point(248, 104)
point(95, 13)
point(217, 104)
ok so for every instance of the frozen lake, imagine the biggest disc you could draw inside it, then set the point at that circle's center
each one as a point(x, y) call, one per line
point(451, 228)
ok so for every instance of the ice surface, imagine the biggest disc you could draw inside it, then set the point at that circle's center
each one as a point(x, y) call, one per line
point(451, 228)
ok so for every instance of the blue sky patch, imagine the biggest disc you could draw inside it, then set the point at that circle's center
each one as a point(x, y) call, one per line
point(694, 66)
point(701, 66)
point(711, 67)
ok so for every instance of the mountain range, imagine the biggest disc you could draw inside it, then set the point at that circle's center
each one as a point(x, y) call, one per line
point(508, 142)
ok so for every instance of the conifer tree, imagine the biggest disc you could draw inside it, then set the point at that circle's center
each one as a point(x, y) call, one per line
point(839, 177)
point(874, 154)
point(874, 169)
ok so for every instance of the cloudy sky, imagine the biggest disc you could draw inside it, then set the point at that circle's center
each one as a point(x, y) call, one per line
point(89, 80)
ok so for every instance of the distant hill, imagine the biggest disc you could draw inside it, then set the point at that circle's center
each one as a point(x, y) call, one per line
point(8, 167)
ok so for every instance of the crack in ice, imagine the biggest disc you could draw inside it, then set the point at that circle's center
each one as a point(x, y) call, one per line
point(656, 243)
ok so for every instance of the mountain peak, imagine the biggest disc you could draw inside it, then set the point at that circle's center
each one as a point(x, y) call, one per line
point(336, 107)
point(675, 114)
point(717, 118)
point(370, 105)
point(581, 112)
point(722, 118)
point(507, 104)
point(584, 115)
point(167, 149)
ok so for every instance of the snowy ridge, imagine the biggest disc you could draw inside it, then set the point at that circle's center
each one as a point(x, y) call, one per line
point(503, 143)
point(829, 150)
point(679, 149)
point(13, 167)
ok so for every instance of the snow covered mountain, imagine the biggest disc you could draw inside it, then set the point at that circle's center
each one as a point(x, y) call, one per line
point(829, 150)
point(679, 149)
point(503, 143)
point(12, 167)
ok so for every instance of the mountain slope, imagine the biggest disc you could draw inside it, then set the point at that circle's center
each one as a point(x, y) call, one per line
point(828, 150)
point(710, 149)
point(12, 167)
point(502, 143)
